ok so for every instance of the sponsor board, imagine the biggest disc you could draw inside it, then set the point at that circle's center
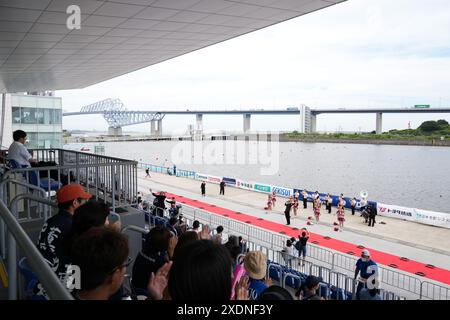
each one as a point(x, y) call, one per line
point(201, 176)
point(262, 188)
point(244, 185)
point(214, 179)
point(280, 191)
point(396, 212)
point(186, 174)
point(438, 219)
point(229, 181)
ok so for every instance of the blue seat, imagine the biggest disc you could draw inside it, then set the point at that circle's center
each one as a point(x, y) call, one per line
point(324, 290)
point(31, 280)
point(44, 183)
point(14, 164)
point(292, 282)
point(275, 272)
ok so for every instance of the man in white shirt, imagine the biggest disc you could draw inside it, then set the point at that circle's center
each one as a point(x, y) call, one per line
point(17, 150)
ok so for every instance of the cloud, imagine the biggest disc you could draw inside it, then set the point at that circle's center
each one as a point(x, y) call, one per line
point(361, 53)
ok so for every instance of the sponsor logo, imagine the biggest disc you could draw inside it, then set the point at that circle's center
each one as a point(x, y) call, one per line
point(281, 191)
point(261, 187)
point(214, 179)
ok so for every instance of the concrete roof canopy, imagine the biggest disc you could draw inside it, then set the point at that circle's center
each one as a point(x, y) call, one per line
point(38, 51)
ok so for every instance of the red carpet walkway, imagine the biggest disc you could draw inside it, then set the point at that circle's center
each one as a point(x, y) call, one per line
point(411, 266)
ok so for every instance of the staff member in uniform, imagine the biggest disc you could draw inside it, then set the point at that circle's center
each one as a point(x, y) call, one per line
point(328, 201)
point(361, 267)
point(287, 211)
point(305, 198)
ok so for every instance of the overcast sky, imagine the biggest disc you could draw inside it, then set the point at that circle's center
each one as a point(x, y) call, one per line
point(361, 53)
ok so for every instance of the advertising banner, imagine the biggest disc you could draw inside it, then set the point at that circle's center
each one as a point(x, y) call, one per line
point(201, 176)
point(186, 174)
point(283, 192)
point(229, 181)
point(244, 185)
point(396, 212)
point(262, 188)
point(214, 179)
point(438, 219)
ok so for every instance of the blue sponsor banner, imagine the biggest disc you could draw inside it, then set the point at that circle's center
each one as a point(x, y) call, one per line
point(186, 174)
point(229, 181)
point(280, 191)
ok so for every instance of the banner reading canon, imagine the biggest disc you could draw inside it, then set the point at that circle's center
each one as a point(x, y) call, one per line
point(201, 176)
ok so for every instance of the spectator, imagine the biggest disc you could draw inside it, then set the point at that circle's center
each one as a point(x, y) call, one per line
point(373, 294)
point(201, 271)
point(275, 293)
point(17, 151)
point(186, 238)
point(172, 226)
point(90, 215)
point(301, 245)
point(102, 256)
point(362, 266)
point(222, 188)
point(159, 203)
point(288, 253)
point(154, 255)
point(309, 290)
point(232, 242)
point(217, 238)
point(174, 209)
point(242, 245)
point(255, 263)
point(196, 226)
point(56, 229)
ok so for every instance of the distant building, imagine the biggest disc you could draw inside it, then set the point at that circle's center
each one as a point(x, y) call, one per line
point(39, 114)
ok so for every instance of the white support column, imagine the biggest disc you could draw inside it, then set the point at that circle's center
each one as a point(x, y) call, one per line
point(159, 132)
point(199, 120)
point(247, 118)
point(379, 129)
point(313, 123)
point(114, 131)
point(153, 127)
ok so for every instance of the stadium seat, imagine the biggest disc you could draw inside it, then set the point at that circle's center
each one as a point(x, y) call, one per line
point(275, 272)
point(324, 291)
point(30, 280)
point(292, 281)
point(44, 183)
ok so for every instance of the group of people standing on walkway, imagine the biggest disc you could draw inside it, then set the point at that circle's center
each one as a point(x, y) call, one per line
point(292, 205)
point(221, 186)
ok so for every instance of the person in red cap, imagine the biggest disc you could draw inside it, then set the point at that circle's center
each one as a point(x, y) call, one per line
point(57, 228)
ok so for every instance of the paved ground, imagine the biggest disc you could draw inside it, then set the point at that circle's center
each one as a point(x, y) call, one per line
point(427, 244)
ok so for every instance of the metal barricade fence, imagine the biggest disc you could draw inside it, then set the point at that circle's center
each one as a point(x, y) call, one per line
point(396, 280)
point(432, 291)
point(335, 262)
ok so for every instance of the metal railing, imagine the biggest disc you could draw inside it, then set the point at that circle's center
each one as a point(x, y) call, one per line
point(17, 236)
point(112, 179)
point(406, 285)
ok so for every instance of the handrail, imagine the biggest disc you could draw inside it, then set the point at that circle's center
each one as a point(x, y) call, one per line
point(134, 228)
point(2, 230)
point(45, 274)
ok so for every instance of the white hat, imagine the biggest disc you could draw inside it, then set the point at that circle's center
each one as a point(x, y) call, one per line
point(366, 253)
